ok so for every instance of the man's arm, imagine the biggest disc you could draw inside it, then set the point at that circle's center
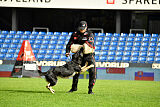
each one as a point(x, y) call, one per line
point(68, 46)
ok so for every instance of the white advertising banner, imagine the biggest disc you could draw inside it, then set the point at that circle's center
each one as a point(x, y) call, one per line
point(85, 4)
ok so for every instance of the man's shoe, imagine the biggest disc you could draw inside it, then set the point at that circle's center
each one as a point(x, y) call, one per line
point(71, 90)
point(90, 92)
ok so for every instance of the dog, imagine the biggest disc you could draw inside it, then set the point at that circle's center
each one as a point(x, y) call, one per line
point(69, 69)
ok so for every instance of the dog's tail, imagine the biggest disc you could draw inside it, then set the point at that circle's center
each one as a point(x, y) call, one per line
point(41, 73)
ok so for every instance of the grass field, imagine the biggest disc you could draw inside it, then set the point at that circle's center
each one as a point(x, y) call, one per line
point(31, 92)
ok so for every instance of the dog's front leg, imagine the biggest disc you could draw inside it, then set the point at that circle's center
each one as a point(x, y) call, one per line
point(86, 68)
point(50, 88)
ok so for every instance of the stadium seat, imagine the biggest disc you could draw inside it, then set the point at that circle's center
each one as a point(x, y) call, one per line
point(153, 44)
point(57, 51)
point(11, 50)
point(20, 32)
point(50, 52)
point(57, 33)
point(56, 57)
point(151, 54)
point(17, 36)
point(157, 59)
point(49, 33)
point(38, 42)
point(158, 44)
point(145, 44)
point(137, 44)
point(15, 56)
point(147, 35)
point(128, 48)
point(16, 41)
point(122, 39)
point(42, 33)
point(61, 42)
point(3, 50)
point(136, 48)
point(127, 53)
point(40, 57)
point(139, 35)
point(53, 42)
point(2, 40)
point(42, 51)
point(158, 49)
point(150, 59)
point(99, 38)
point(158, 54)
point(142, 59)
point(97, 58)
point(59, 47)
point(55, 37)
point(107, 38)
point(152, 49)
point(2, 56)
point(131, 35)
point(154, 35)
point(145, 39)
point(129, 44)
point(105, 48)
point(35, 51)
point(45, 42)
point(112, 48)
point(114, 43)
point(4, 32)
point(106, 43)
point(109, 34)
point(103, 53)
point(98, 43)
point(130, 39)
point(143, 54)
point(144, 49)
point(32, 37)
point(14, 45)
point(110, 58)
point(64, 33)
point(97, 53)
point(135, 53)
point(9, 56)
point(12, 32)
point(116, 34)
point(1, 45)
point(17, 50)
point(115, 38)
point(97, 48)
point(124, 35)
point(120, 48)
point(68, 37)
point(101, 34)
point(5, 45)
point(112, 53)
point(25, 37)
point(2, 36)
point(153, 40)
point(118, 58)
point(103, 58)
point(119, 53)
point(137, 39)
point(134, 59)
point(44, 46)
point(70, 33)
point(27, 33)
point(40, 37)
point(47, 37)
point(126, 59)
point(62, 38)
point(8, 36)
point(34, 33)
point(63, 58)
point(48, 57)
point(36, 46)
point(7, 41)
point(31, 41)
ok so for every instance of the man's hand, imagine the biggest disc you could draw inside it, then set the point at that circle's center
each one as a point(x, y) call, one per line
point(67, 54)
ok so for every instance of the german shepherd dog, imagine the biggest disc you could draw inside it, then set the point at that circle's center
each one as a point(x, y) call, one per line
point(69, 69)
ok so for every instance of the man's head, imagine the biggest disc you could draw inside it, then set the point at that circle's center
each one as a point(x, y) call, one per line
point(82, 26)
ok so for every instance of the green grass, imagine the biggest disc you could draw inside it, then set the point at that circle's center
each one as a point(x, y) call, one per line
point(31, 92)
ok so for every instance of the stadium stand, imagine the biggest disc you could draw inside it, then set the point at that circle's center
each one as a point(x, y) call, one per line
point(131, 48)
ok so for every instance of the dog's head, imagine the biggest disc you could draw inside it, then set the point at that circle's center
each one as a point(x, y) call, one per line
point(77, 57)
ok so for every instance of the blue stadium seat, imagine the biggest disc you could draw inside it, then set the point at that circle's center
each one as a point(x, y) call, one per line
point(118, 58)
point(64, 33)
point(20, 32)
point(70, 33)
point(55, 37)
point(44, 46)
point(158, 54)
point(7, 41)
point(145, 39)
point(48, 57)
point(98, 43)
point(106, 43)
point(47, 37)
point(42, 33)
point(1, 45)
point(36, 46)
point(97, 58)
point(35, 51)
point(130, 39)
point(147, 35)
point(2, 56)
point(120, 48)
point(153, 44)
point(114, 43)
point(3, 36)
point(4, 51)
point(17, 36)
point(16, 41)
point(45, 42)
point(136, 48)
point(131, 35)
point(119, 53)
point(57, 51)
point(59, 47)
point(115, 38)
point(153, 40)
point(27, 33)
point(9, 56)
point(105, 48)
point(4, 32)
point(14, 45)
point(124, 35)
point(2, 40)
point(63, 58)
point(31, 41)
point(145, 44)
point(110, 58)
point(154, 35)
point(38, 42)
point(109, 34)
point(15, 56)
point(103, 53)
point(144, 49)
point(101, 34)
point(158, 44)
point(11, 50)
point(107, 38)
point(6, 45)
point(56, 57)
point(128, 48)
point(12, 32)
point(34, 33)
point(139, 35)
point(135, 53)
point(61, 42)
point(57, 33)
point(150, 54)
point(19, 46)
point(129, 44)
point(150, 59)
point(42, 51)
point(53, 42)
point(158, 49)
point(25, 37)
point(40, 57)
point(122, 39)
point(157, 59)
point(32, 37)
point(97, 48)
point(127, 53)
point(40, 37)
point(153, 49)
point(17, 50)
point(111, 53)
point(137, 39)
point(62, 38)
point(99, 38)
point(137, 44)
point(116, 34)
point(68, 37)
point(9, 36)
point(126, 59)
point(142, 59)
point(50, 52)
point(134, 59)
point(143, 54)
point(97, 53)
point(49, 33)
point(103, 58)
point(112, 48)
